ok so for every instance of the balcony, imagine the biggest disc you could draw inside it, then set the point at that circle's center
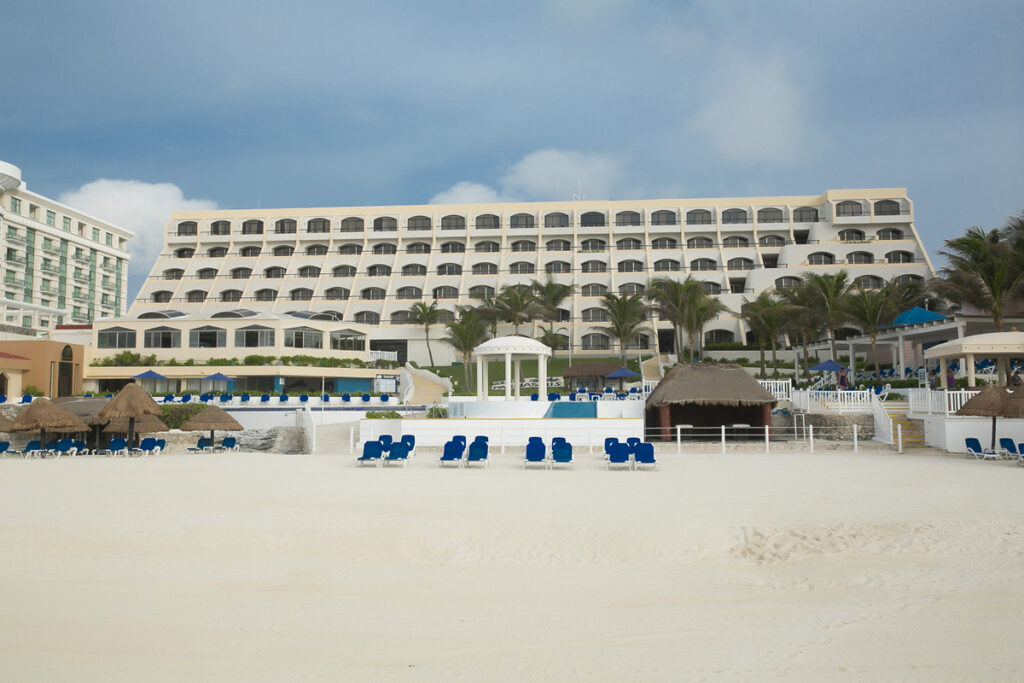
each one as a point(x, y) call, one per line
point(15, 237)
point(13, 282)
point(176, 239)
point(80, 277)
point(82, 257)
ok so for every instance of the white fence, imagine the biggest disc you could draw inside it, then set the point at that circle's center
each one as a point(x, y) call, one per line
point(833, 401)
point(383, 355)
point(938, 402)
point(304, 419)
point(883, 421)
point(781, 389)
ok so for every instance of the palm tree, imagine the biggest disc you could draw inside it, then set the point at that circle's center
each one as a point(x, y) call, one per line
point(626, 314)
point(703, 309)
point(671, 299)
point(555, 340)
point(549, 295)
point(766, 317)
point(874, 309)
point(514, 304)
point(828, 293)
point(463, 334)
point(803, 318)
point(426, 315)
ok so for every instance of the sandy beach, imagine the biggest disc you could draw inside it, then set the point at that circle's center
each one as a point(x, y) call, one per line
point(263, 567)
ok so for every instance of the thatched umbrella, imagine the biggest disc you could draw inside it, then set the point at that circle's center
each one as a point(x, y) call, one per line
point(995, 402)
point(44, 416)
point(147, 424)
point(212, 417)
point(131, 402)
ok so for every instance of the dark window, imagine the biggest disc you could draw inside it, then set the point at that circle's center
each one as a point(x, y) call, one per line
point(304, 338)
point(316, 250)
point(558, 267)
point(631, 288)
point(769, 215)
point(735, 241)
point(453, 222)
point(890, 234)
point(266, 295)
point(184, 253)
point(414, 269)
point(630, 266)
point(418, 223)
point(559, 220)
point(418, 248)
point(187, 228)
point(596, 341)
point(821, 258)
point(869, 282)
point(378, 271)
point(385, 224)
point(385, 249)
point(488, 221)
point(350, 249)
point(301, 294)
point(352, 225)
point(559, 245)
point(711, 287)
point(336, 294)
point(453, 248)
point(594, 315)
point(231, 295)
point(664, 218)
point(594, 245)
point(718, 337)
point(162, 338)
point(207, 273)
point(734, 216)
point(849, 208)
point(699, 243)
point(698, 217)
point(207, 337)
point(241, 273)
point(372, 293)
point(664, 243)
point(249, 251)
point(446, 292)
point(285, 226)
point(276, 272)
point(666, 265)
point(851, 235)
point(367, 318)
point(254, 336)
point(526, 220)
point(485, 269)
point(481, 292)
point(344, 271)
point(771, 241)
point(162, 297)
point(449, 269)
point(220, 228)
point(487, 247)
point(594, 267)
point(409, 293)
point(401, 318)
point(805, 214)
point(703, 264)
point(594, 290)
point(252, 227)
point(173, 274)
point(899, 257)
point(217, 252)
point(522, 268)
point(887, 207)
point(629, 243)
point(860, 257)
point(309, 271)
point(318, 225)
point(592, 219)
point(787, 283)
point(627, 218)
point(740, 264)
point(283, 251)
point(524, 245)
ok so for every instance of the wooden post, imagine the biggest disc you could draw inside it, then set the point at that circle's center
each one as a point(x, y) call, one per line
point(665, 421)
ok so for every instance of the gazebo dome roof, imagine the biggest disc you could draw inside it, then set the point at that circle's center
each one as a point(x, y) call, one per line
point(515, 345)
point(995, 343)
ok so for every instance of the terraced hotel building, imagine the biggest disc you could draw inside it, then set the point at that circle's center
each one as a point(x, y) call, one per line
point(336, 281)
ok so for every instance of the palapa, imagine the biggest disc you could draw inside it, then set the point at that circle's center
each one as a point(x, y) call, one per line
point(213, 418)
point(709, 384)
point(43, 416)
point(995, 402)
point(147, 424)
point(131, 402)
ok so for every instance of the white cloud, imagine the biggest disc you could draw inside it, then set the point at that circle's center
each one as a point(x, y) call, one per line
point(143, 208)
point(547, 174)
point(754, 111)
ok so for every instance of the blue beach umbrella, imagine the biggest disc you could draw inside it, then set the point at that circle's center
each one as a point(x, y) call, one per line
point(149, 374)
point(621, 373)
point(828, 366)
point(218, 377)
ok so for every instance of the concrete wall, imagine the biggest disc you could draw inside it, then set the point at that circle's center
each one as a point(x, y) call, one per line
point(950, 432)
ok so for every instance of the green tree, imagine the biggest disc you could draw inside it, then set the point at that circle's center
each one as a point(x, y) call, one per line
point(767, 317)
point(466, 332)
point(426, 315)
point(703, 308)
point(671, 299)
point(803, 319)
point(829, 292)
point(548, 296)
point(516, 304)
point(626, 316)
point(556, 340)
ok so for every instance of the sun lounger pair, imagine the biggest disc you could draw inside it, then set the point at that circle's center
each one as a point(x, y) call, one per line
point(974, 450)
point(536, 453)
point(634, 454)
point(478, 452)
point(386, 451)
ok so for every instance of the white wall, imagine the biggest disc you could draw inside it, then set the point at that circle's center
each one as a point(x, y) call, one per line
point(949, 433)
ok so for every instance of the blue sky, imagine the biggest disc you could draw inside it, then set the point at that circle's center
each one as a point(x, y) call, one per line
point(230, 104)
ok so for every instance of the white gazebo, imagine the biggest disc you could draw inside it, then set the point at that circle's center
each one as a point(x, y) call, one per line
point(513, 349)
point(998, 345)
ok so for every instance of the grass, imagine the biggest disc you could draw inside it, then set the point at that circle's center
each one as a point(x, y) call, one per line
point(496, 371)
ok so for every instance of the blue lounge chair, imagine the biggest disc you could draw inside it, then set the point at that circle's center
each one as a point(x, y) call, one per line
point(3, 398)
point(632, 443)
point(108, 396)
point(63, 447)
point(372, 453)
point(452, 454)
point(643, 456)
point(283, 398)
point(265, 398)
point(345, 398)
point(226, 398)
point(245, 398)
point(169, 398)
point(26, 398)
point(145, 448)
point(80, 448)
point(385, 442)
point(609, 442)
point(384, 398)
point(204, 444)
point(410, 441)
point(325, 398)
point(49, 447)
point(161, 446)
point(554, 396)
point(205, 398)
point(534, 397)
point(31, 449)
point(185, 398)
point(398, 455)
point(228, 443)
point(974, 450)
point(561, 452)
point(4, 445)
point(115, 447)
point(366, 398)
point(536, 453)
point(618, 456)
point(1006, 445)
point(303, 398)
point(478, 453)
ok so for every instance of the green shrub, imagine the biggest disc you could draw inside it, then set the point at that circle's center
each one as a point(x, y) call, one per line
point(125, 359)
point(175, 415)
point(257, 359)
point(31, 390)
point(437, 413)
point(382, 415)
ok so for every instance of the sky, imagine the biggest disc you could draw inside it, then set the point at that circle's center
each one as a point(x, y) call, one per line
point(131, 110)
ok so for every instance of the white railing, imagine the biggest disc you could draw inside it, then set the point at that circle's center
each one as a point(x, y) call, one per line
point(938, 402)
point(304, 420)
point(383, 355)
point(822, 380)
point(839, 401)
point(883, 421)
point(781, 389)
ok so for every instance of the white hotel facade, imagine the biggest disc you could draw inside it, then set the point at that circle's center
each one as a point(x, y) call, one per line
point(340, 281)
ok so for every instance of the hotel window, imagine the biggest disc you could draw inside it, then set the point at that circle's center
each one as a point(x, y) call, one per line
point(207, 337)
point(554, 220)
point(336, 294)
point(482, 292)
point(453, 222)
point(217, 252)
point(51, 218)
point(446, 292)
point(869, 282)
point(664, 218)
point(350, 249)
point(593, 245)
point(162, 338)
point(344, 271)
point(318, 225)
point(805, 214)
point(711, 287)
point(485, 269)
point(372, 293)
point(252, 227)
point(699, 243)
point(488, 221)
point(890, 234)
point(418, 248)
point(266, 295)
point(283, 251)
point(487, 247)
point(184, 253)
point(821, 258)
point(385, 224)
point(15, 205)
point(596, 341)
point(887, 207)
point(522, 268)
point(67, 224)
point(285, 226)
point(699, 217)
point(594, 267)
point(524, 245)
point(735, 241)
point(250, 251)
point(161, 297)
point(592, 219)
point(909, 277)
point(860, 257)
point(665, 265)
point(301, 294)
point(627, 218)
point(703, 264)
point(231, 295)
point(346, 341)
point(630, 266)
point(207, 273)
point(95, 234)
point(352, 225)
point(559, 245)
point(187, 228)
point(367, 318)
point(664, 243)
point(740, 264)
point(849, 208)
point(401, 318)
point(316, 250)
point(899, 257)
point(418, 223)
point(274, 273)
point(733, 216)
point(594, 290)
point(449, 269)
point(113, 338)
point(254, 336)
point(378, 271)
point(414, 269)
point(525, 220)
point(629, 243)
point(241, 273)
point(220, 228)
point(558, 267)
point(771, 241)
point(787, 283)
point(196, 296)
point(851, 235)
point(594, 315)
point(309, 271)
point(385, 249)
point(769, 215)
point(453, 248)
point(409, 293)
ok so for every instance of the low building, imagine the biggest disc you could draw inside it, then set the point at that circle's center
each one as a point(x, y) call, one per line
point(52, 368)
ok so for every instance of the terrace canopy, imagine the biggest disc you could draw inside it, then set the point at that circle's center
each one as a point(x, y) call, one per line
point(513, 349)
point(999, 346)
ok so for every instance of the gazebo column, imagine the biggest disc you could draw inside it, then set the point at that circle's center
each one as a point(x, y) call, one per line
point(970, 370)
point(508, 376)
point(942, 372)
point(542, 377)
point(480, 378)
point(901, 352)
point(892, 359)
point(487, 380)
point(518, 373)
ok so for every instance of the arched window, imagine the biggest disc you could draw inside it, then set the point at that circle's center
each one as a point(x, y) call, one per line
point(734, 241)
point(318, 225)
point(851, 235)
point(771, 241)
point(449, 269)
point(592, 219)
point(805, 214)
point(302, 294)
point(899, 257)
point(378, 270)
point(336, 294)
point(559, 245)
point(309, 271)
point(206, 273)
point(703, 264)
point(526, 220)
point(740, 264)
point(627, 218)
point(631, 289)
point(734, 216)
point(414, 269)
point(869, 282)
point(453, 248)
point(284, 251)
point(303, 338)
point(446, 292)
point(418, 248)
point(487, 247)
point(719, 337)
point(666, 265)
point(241, 273)
point(887, 207)
point(316, 250)
point(557, 220)
point(594, 290)
point(629, 243)
point(274, 272)
point(594, 267)
point(162, 338)
point(372, 293)
point(344, 271)
point(385, 224)
point(860, 257)
point(266, 294)
point(770, 215)
point(788, 282)
point(524, 245)
point(485, 269)
point(409, 293)
point(231, 295)
point(252, 227)
point(453, 222)
point(711, 288)
point(639, 341)
point(594, 245)
point(220, 228)
point(698, 217)
point(488, 221)
point(890, 234)
point(557, 267)
point(161, 297)
point(401, 318)
point(419, 223)
point(285, 226)
point(664, 217)
point(699, 243)
point(250, 252)
point(664, 243)
point(522, 268)
point(187, 228)
point(594, 315)
point(352, 225)
point(217, 252)
point(908, 277)
point(385, 249)
point(630, 266)
point(821, 258)
point(173, 274)
point(367, 318)
point(481, 292)
point(184, 253)
point(350, 249)
point(849, 208)
point(595, 341)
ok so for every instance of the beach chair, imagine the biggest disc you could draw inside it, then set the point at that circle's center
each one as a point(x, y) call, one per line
point(228, 443)
point(161, 446)
point(451, 454)
point(372, 453)
point(325, 398)
point(204, 444)
point(632, 443)
point(1007, 447)
point(28, 451)
point(398, 455)
point(608, 443)
point(245, 399)
point(4, 446)
point(561, 452)
point(283, 398)
point(534, 397)
point(3, 398)
point(385, 442)
point(345, 398)
point(478, 453)
point(410, 441)
point(618, 456)
point(80, 448)
point(145, 448)
point(185, 398)
point(974, 450)
point(115, 447)
point(366, 398)
point(63, 447)
point(303, 398)
point(49, 447)
point(265, 398)
point(536, 453)
point(1020, 449)
point(554, 396)
point(384, 398)
point(168, 398)
point(643, 456)
point(26, 398)
point(226, 398)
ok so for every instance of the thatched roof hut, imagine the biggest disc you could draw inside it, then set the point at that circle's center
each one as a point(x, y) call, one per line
point(147, 424)
point(995, 402)
point(132, 402)
point(214, 419)
point(706, 395)
point(44, 416)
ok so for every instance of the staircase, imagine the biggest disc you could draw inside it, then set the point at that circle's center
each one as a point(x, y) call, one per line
point(426, 387)
point(913, 434)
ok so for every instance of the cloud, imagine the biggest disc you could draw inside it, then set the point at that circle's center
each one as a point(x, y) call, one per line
point(141, 207)
point(546, 174)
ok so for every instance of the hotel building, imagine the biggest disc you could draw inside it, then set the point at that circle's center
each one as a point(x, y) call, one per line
point(60, 265)
point(340, 281)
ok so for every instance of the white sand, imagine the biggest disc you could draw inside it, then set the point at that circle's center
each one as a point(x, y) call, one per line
point(289, 568)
